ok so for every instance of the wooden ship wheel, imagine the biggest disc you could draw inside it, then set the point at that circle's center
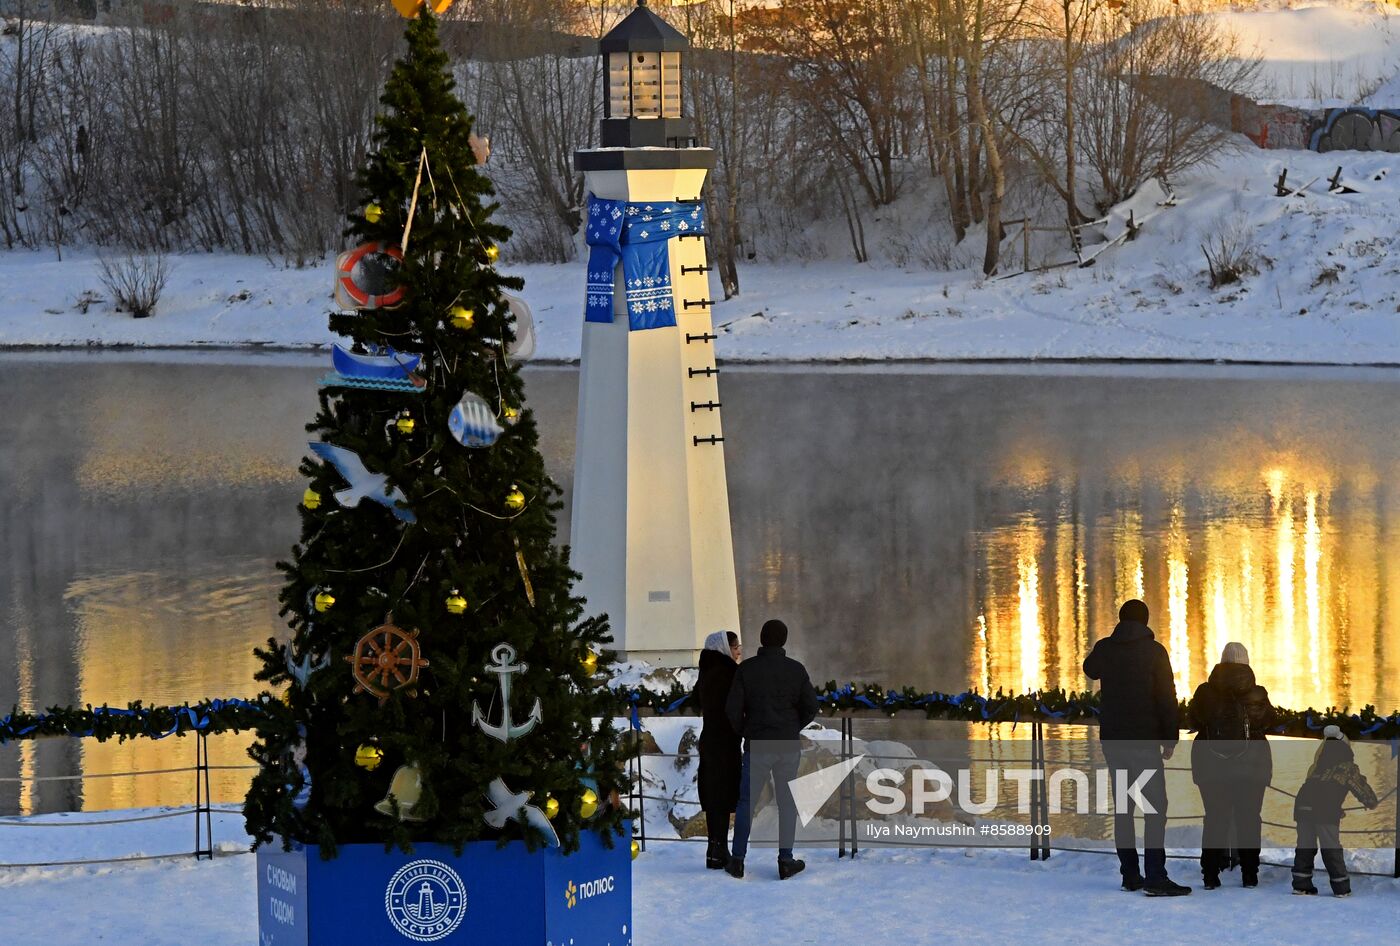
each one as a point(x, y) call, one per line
point(388, 658)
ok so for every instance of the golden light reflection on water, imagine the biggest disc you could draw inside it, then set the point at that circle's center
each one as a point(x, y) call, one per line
point(1271, 564)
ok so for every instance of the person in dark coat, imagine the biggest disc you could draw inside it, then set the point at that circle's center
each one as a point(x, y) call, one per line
point(1231, 763)
point(770, 703)
point(720, 751)
point(1318, 812)
point(1139, 729)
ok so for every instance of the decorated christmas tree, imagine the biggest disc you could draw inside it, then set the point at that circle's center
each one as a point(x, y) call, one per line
point(440, 682)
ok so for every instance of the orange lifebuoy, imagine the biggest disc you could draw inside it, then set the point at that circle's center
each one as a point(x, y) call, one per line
point(362, 277)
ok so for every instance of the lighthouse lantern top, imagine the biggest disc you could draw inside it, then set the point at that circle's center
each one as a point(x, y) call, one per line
point(642, 63)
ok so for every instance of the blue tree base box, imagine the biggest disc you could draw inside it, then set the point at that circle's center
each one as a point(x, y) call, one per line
point(505, 896)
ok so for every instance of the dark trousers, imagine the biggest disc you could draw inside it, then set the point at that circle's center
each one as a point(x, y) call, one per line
point(717, 831)
point(1312, 836)
point(781, 767)
point(1127, 762)
point(1234, 803)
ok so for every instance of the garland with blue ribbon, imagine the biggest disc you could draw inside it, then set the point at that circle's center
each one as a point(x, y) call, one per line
point(1057, 705)
point(137, 720)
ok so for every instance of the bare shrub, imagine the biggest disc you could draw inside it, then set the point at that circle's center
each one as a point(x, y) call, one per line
point(135, 281)
point(1231, 252)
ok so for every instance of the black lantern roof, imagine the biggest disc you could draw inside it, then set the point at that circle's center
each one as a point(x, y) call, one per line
point(644, 32)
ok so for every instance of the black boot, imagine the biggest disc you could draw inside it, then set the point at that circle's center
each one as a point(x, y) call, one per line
point(1165, 888)
point(735, 868)
point(1210, 881)
point(716, 857)
point(790, 867)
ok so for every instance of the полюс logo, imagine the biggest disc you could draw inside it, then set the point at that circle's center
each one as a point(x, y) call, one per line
point(573, 893)
point(425, 900)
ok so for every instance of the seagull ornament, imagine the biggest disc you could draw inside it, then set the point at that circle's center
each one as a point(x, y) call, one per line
point(363, 484)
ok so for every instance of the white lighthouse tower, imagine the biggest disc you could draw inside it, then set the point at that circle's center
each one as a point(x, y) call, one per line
point(650, 528)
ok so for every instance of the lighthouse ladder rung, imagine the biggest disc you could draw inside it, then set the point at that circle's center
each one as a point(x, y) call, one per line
point(707, 372)
point(704, 406)
point(690, 200)
point(710, 440)
point(692, 236)
point(702, 303)
point(702, 337)
point(686, 270)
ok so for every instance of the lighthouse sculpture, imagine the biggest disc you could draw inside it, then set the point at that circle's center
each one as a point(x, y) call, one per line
point(650, 529)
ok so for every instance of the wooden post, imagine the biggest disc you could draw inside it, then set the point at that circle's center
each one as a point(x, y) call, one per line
point(1026, 245)
point(1279, 188)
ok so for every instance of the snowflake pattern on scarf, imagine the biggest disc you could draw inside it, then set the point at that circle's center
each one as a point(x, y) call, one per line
point(636, 235)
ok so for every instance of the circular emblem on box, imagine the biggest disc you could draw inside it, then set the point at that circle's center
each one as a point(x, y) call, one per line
point(425, 900)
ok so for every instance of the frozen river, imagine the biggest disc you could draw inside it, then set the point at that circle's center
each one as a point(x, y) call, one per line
point(946, 527)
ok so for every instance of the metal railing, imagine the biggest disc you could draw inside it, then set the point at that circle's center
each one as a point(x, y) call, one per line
point(1040, 848)
point(202, 811)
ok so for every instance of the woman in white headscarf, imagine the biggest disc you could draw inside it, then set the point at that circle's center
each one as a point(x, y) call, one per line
point(1231, 763)
point(720, 755)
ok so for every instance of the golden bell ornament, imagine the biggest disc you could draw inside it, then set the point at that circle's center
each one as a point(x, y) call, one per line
point(461, 317)
point(551, 807)
point(515, 499)
point(368, 756)
point(324, 601)
point(311, 499)
point(510, 414)
point(636, 849)
point(590, 662)
point(405, 424)
point(493, 252)
point(373, 212)
point(588, 803)
point(456, 604)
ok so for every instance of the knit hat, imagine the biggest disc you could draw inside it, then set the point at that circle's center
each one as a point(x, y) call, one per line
point(1235, 653)
point(1133, 610)
point(773, 634)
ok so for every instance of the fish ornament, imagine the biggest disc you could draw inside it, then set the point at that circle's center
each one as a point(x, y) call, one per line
point(473, 423)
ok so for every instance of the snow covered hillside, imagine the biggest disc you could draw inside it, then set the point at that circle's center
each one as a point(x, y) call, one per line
point(1321, 284)
point(1321, 55)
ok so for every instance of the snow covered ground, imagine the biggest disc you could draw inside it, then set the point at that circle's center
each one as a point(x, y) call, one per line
point(905, 897)
point(1327, 290)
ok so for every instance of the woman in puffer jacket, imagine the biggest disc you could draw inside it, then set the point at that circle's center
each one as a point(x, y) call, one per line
point(1231, 763)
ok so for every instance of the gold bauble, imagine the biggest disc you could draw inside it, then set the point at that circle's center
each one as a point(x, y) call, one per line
point(515, 499)
point(287, 696)
point(368, 756)
point(456, 604)
point(510, 414)
point(310, 499)
point(493, 252)
point(590, 662)
point(373, 212)
point(324, 601)
point(636, 849)
point(588, 803)
point(551, 807)
point(405, 424)
point(461, 317)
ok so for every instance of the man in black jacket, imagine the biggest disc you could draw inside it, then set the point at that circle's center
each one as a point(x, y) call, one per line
point(772, 699)
point(1139, 728)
